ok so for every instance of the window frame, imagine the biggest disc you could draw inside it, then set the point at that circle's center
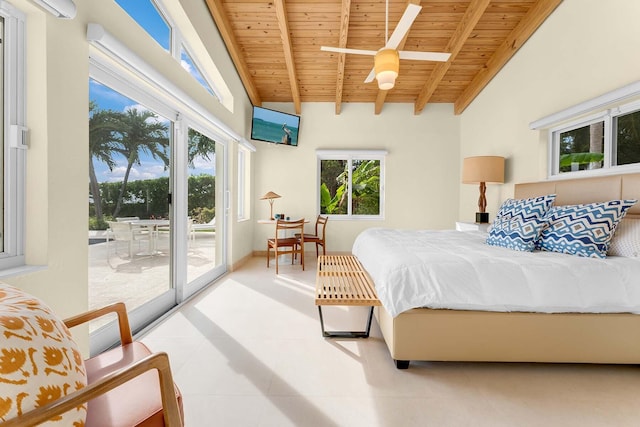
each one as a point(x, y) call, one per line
point(176, 44)
point(608, 116)
point(243, 183)
point(349, 156)
point(14, 144)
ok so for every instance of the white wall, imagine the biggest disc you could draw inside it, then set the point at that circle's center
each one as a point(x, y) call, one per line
point(57, 116)
point(584, 49)
point(422, 166)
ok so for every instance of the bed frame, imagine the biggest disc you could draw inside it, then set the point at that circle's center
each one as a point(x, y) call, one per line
point(458, 335)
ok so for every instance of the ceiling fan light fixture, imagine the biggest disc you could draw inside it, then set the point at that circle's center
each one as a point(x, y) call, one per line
point(386, 65)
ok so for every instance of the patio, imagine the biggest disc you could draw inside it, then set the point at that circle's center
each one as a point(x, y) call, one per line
point(114, 276)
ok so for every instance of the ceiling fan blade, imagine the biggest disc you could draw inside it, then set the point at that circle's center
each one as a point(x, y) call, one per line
point(410, 14)
point(424, 56)
point(371, 76)
point(345, 50)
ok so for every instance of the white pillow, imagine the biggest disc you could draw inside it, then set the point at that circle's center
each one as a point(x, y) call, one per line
point(626, 240)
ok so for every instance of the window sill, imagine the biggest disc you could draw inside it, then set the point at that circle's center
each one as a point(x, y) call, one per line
point(20, 271)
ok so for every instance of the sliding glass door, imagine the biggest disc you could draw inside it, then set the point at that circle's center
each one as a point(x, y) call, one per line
point(204, 210)
point(156, 206)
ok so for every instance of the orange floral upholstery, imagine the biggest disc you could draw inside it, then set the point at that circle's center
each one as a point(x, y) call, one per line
point(39, 361)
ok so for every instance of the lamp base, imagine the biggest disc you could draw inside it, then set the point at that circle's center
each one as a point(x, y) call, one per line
point(482, 217)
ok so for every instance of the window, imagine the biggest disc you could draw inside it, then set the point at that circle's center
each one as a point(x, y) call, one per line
point(598, 136)
point(12, 141)
point(147, 15)
point(150, 16)
point(351, 184)
point(581, 148)
point(188, 64)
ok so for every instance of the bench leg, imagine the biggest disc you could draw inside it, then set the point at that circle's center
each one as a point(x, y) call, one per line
point(345, 334)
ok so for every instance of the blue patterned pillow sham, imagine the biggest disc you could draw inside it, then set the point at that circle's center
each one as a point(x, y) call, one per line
point(525, 209)
point(583, 230)
point(515, 234)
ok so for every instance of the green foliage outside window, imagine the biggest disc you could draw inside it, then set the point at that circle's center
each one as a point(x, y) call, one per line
point(365, 187)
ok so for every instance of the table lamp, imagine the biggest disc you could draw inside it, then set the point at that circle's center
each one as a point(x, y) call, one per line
point(270, 196)
point(483, 169)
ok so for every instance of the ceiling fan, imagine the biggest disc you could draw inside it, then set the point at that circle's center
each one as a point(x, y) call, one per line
point(387, 59)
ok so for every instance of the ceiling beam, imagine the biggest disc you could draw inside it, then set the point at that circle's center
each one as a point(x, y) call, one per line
point(283, 24)
point(520, 34)
point(382, 94)
point(344, 30)
point(471, 16)
point(224, 27)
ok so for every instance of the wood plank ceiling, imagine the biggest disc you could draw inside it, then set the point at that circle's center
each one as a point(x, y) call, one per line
point(275, 46)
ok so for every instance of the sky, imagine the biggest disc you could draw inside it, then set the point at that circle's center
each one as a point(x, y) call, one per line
point(276, 117)
point(108, 99)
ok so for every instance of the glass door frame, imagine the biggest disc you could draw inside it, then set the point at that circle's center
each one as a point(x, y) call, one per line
point(179, 208)
point(179, 291)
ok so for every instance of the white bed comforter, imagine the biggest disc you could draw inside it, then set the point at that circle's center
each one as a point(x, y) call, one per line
point(457, 270)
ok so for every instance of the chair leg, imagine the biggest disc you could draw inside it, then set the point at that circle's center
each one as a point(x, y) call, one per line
point(268, 254)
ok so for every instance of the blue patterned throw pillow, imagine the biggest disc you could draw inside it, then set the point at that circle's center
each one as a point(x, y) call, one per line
point(583, 230)
point(515, 234)
point(525, 209)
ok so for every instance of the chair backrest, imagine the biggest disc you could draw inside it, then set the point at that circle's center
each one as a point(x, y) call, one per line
point(120, 230)
point(295, 226)
point(127, 218)
point(321, 222)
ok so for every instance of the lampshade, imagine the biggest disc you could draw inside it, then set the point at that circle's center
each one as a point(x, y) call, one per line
point(487, 169)
point(270, 195)
point(386, 65)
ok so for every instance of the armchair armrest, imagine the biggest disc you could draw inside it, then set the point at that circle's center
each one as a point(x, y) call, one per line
point(123, 320)
point(159, 361)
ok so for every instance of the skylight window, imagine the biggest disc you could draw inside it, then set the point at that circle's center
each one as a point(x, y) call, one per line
point(153, 16)
point(188, 64)
point(147, 15)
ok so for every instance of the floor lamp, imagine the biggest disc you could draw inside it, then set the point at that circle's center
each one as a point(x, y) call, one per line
point(483, 170)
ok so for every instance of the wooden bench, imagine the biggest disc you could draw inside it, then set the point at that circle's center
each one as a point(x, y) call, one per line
point(341, 280)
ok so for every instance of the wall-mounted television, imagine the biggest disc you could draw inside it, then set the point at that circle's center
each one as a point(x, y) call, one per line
point(275, 126)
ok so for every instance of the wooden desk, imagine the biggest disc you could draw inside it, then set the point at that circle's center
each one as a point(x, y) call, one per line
point(273, 221)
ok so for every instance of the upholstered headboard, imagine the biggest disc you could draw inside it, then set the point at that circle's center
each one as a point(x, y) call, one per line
point(586, 190)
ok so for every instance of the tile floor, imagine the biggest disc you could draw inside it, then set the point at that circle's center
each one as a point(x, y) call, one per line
point(248, 352)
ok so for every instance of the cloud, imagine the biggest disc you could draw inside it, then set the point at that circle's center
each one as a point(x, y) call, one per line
point(202, 163)
point(137, 173)
point(187, 66)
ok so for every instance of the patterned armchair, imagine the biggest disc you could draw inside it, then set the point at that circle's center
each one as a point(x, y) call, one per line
point(44, 378)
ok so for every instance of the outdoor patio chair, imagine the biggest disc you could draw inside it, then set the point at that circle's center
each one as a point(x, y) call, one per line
point(126, 232)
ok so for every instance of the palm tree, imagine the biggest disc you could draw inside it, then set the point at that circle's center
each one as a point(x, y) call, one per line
point(200, 146)
point(103, 142)
point(141, 133)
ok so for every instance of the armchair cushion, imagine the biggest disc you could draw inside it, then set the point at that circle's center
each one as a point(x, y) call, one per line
point(137, 402)
point(39, 361)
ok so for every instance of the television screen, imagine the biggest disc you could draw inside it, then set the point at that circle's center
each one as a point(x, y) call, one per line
point(274, 126)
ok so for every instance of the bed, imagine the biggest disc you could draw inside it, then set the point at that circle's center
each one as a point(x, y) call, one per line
point(514, 334)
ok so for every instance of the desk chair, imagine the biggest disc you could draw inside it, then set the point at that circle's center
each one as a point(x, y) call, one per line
point(319, 237)
point(279, 243)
